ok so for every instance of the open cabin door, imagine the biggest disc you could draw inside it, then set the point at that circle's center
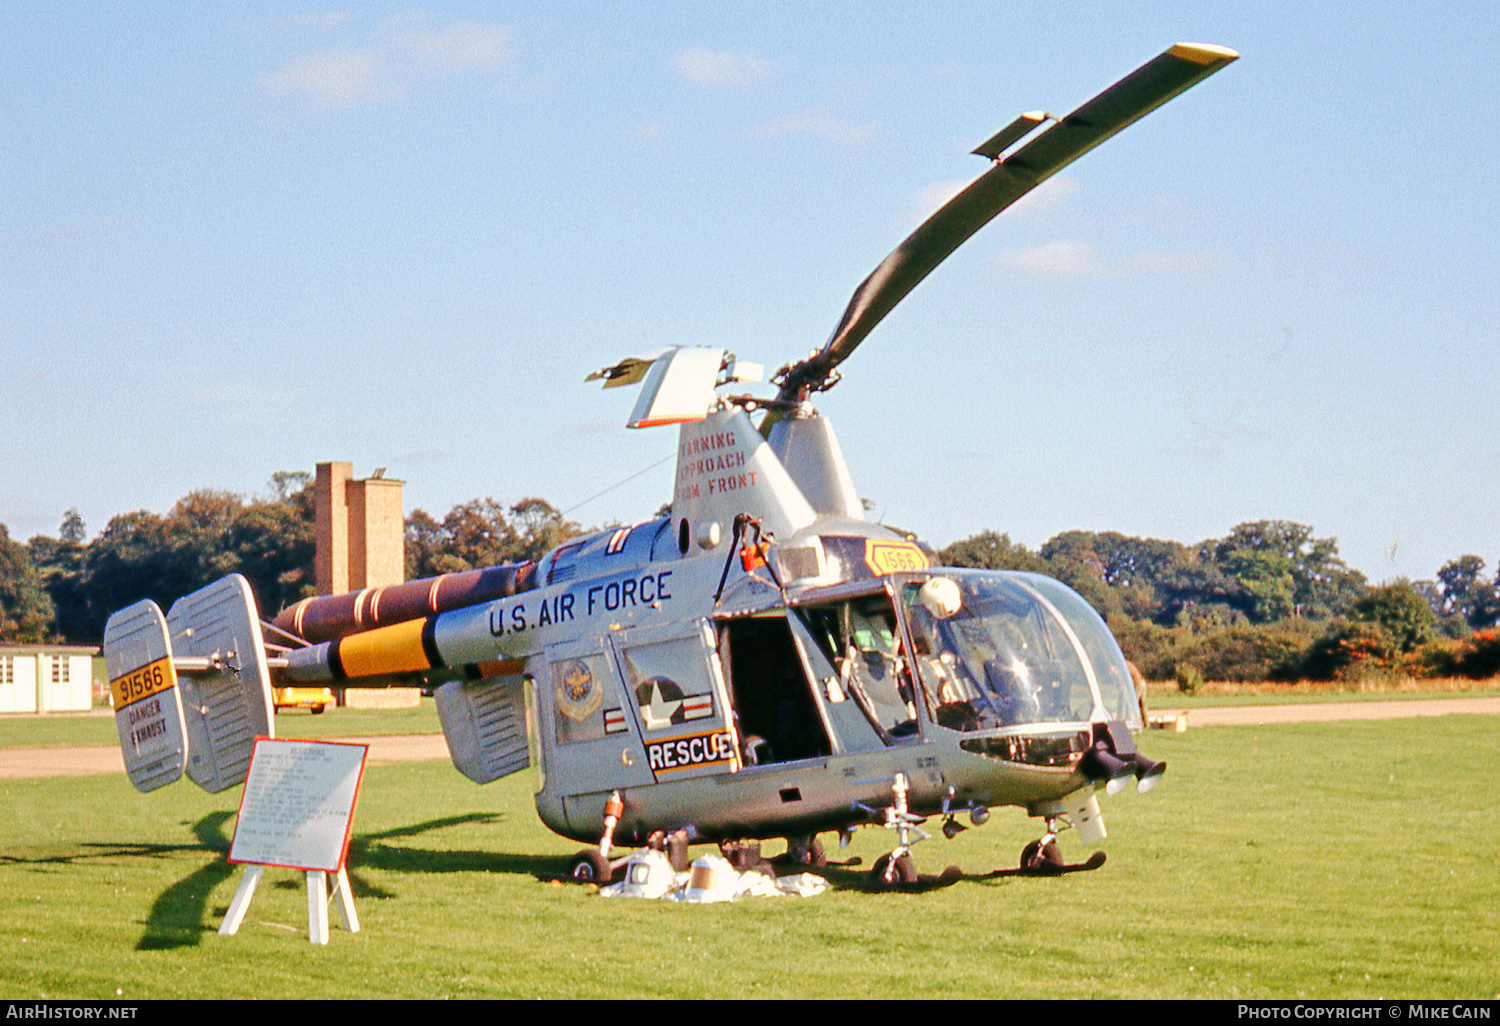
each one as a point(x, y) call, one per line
point(678, 699)
point(776, 716)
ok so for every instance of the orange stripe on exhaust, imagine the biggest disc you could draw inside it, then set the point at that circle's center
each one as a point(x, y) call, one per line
point(394, 649)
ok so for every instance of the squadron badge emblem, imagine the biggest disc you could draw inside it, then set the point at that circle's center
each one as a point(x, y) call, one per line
point(578, 694)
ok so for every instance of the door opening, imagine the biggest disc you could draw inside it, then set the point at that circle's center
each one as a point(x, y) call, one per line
point(777, 718)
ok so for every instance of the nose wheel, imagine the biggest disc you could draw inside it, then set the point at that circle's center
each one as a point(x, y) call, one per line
point(1043, 857)
point(897, 869)
point(893, 871)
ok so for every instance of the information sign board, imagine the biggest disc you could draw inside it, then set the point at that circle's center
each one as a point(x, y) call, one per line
point(298, 804)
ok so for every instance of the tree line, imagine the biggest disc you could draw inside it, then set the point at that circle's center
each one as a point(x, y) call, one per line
point(64, 588)
point(1267, 601)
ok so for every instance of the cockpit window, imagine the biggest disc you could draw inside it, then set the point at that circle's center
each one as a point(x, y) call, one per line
point(997, 654)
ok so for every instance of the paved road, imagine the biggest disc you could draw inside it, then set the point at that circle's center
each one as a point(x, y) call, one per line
point(1316, 712)
point(76, 762)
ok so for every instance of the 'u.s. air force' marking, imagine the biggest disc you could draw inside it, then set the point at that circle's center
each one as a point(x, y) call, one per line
point(643, 590)
point(712, 749)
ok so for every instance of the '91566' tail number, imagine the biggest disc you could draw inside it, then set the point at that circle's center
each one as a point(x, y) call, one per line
point(151, 679)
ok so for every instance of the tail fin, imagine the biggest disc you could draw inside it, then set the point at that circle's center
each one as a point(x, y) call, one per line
point(228, 703)
point(147, 700)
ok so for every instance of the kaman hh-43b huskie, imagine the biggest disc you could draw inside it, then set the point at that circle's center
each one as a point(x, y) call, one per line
point(761, 662)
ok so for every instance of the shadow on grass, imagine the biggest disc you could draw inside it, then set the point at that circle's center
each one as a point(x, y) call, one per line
point(180, 916)
point(176, 918)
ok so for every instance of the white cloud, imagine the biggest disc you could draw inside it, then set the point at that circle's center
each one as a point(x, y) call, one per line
point(929, 199)
point(819, 123)
point(331, 79)
point(1187, 261)
point(1045, 198)
point(1034, 206)
point(1067, 258)
point(397, 54)
point(1062, 259)
point(720, 69)
point(460, 47)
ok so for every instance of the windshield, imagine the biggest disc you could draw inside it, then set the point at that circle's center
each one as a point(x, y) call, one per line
point(1113, 675)
point(1011, 648)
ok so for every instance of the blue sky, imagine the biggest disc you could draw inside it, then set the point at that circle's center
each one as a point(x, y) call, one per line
point(243, 238)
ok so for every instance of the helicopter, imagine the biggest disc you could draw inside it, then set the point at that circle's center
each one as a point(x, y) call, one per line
point(757, 662)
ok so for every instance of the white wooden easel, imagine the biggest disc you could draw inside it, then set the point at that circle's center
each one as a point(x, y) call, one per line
point(317, 903)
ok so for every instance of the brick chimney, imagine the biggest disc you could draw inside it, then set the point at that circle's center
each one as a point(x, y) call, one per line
point(360, 530)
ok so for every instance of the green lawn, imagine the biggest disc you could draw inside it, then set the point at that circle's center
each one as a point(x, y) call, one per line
point(67, 729)
point(1329, 860)
point(98, 728)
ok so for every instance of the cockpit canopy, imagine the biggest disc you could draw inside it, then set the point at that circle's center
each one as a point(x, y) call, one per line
point(979, 650)
point(1019, 648)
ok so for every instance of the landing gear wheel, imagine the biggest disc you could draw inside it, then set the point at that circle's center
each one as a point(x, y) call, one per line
point(887, 875)
point(589, 866)
point(1041, 857)
point(806, 852)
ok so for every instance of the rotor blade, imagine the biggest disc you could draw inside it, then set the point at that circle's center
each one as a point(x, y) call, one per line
point(1128, 100)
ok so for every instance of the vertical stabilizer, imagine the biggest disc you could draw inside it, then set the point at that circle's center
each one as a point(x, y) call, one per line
point(809, 450)
point(725, 468)
point(228, 707)
point(147, 700)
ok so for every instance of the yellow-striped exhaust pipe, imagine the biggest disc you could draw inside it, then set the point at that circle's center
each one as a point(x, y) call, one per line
point(408, 647)
point(402, 648)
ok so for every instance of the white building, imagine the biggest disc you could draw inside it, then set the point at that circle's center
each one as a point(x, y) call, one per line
point(46, 678)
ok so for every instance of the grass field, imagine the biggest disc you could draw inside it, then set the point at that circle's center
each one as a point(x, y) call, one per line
point(68, 729)
point(1355, 859)
point(1166, 695)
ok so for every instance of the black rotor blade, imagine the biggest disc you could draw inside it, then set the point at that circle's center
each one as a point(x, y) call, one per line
point(1128, 100)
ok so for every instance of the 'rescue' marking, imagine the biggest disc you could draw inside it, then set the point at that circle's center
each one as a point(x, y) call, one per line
point(715, 748)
